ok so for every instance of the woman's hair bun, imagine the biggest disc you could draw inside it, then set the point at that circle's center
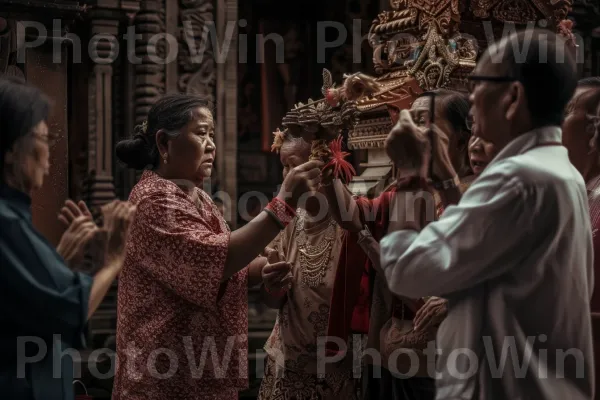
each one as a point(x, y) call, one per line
point(135, 153)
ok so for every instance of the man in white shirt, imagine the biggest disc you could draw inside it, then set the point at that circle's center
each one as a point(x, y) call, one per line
point(514, 256)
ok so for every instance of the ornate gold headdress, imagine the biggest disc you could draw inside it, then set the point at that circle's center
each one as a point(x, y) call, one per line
point(321, 122)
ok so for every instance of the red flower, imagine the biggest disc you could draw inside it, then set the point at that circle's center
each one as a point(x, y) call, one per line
point(332, 97)
point(342, 169)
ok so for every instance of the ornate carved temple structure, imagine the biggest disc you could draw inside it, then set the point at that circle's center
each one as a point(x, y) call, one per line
point(421, 45)
point(98, 99)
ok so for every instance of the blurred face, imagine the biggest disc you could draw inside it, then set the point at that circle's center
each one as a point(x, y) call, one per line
point(481, 153)
point(191, 154)
point(29, 161)
point(293, 153)
point(420, 114)
point(578, 127)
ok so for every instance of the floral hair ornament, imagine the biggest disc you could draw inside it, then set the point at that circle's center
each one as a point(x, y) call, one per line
point(277, 141)
point(145, 126)
point(342, 169)
point(565, 28)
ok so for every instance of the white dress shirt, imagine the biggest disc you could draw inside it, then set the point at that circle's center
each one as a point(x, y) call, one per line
point(514, 259)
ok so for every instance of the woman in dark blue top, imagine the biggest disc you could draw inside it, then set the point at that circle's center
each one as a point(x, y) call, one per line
point(44, 306)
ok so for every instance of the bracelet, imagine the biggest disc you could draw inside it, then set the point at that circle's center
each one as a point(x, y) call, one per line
point(447, 184)
point(281, 212)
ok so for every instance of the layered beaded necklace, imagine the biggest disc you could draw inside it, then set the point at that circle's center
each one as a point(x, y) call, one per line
point(314, 259)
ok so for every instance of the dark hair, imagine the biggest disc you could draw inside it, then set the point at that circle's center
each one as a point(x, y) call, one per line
point(170, 113)
point(22, 107)
point(590, 81)
point(456, 108)
point(593, 83)
point(549, 81)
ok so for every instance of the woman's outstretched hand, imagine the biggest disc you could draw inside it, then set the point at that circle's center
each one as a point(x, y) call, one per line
point(301, 181)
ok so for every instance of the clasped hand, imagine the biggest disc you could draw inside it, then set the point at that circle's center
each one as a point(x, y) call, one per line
point(277, 274)
point(106, 243)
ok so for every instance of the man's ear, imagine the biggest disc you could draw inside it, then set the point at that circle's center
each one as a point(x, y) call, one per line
point(512, 100)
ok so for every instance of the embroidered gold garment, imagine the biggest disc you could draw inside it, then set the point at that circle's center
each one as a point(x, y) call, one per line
point(292, 347)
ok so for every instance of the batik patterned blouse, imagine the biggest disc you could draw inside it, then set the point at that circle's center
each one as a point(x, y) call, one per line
point(173, 310)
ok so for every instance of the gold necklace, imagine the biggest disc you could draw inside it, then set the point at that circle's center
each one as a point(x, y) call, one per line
point(314, 259)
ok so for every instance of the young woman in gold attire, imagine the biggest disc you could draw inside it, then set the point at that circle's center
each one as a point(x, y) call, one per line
point(311, 244)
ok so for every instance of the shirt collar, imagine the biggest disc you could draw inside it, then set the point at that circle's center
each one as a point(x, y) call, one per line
point(527, 141)
point(18, 200)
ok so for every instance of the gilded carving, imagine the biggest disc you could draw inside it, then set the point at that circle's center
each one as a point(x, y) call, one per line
point(522, 11)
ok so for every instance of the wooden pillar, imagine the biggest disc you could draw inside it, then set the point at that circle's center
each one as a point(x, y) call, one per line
point(99, 188)
point(149, 76)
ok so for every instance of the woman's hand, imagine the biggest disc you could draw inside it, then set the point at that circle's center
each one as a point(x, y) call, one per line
point(117, 216)
point(277, 275)
point(71, 211)
point(301, 181)
point(431, 314)
point(80, 231)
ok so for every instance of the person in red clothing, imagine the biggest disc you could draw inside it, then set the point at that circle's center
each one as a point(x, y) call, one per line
point(361, 302)
point(183, 291)
point(580, 137)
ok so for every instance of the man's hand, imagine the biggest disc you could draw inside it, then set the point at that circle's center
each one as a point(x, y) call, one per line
point(277, 275)
point(407, 145)
point(431, 314)
point(442, 163)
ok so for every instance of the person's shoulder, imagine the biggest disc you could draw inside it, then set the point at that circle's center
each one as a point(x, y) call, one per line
point(7, 213)
point(153, 189)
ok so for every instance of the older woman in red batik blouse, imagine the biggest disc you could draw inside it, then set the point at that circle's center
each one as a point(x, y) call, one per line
point(182, 305)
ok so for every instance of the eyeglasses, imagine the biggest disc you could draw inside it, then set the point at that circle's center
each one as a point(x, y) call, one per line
point(475, 80)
